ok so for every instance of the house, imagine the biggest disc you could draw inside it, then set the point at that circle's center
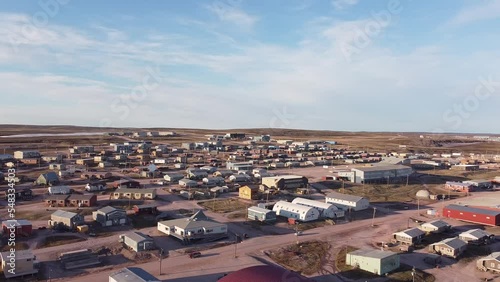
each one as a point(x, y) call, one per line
point(126, 184)
point(85, 162)
point(132, 274)
point(59, 190)
point(57, 166)
point(25, 264)
point(56, 200)
point(187, 183)
point(223, 173)
point(458, 186)
point(137, 241)
point(20, 227)
point(24, 194)
point(491, 262)
point(284, 182)
point(479, 184)
point(97, 186)
point(197, 174)
point(465, 167)
point(145, 209)
point(261, 214)
point(196, 227)
point(451, 247)
point(481, 215)
point(435, 226)
point(409, 236)
point(65, 219)
point(346, 202)
point(326, 210)
point(85, 200)
point(219, 190)
point(49, 178)
point(476, 237)
point(135, 194)
point(173, 177)
point(248, 193)
point(239, 178)
point(374, 261)
point(19, 155)
point(110, 216)
point(243, 166)
point(295, 211)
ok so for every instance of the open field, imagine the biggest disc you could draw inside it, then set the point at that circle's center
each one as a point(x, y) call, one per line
point(57, 240)
point(306, 257)
point(224, 206)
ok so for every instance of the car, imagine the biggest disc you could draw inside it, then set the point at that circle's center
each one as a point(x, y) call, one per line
point(194, 255)
point(42, 228)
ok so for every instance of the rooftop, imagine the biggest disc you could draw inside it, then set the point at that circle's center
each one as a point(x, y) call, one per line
point(133, 274)
point(373, 253)
point(345, 197)
point(22, 254)
point(137, 236)
point(381, 168)
point(66, 214)
point(454, 243)
point(480, 210)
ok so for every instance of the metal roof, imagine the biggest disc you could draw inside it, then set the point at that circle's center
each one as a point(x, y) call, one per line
point(65, 214)
point(474, 233)
point(107, 209)
point(259, 209)
point(454, 243)
point(133, 274)
point(345, 197)
point(381, 168)
point(22, 254)
point(282, 205)
point(137, 236)
point(378, 254)
point(312, 203)
point(437, 223)
point(16, 222)
point(412, 232)
point(485, 211)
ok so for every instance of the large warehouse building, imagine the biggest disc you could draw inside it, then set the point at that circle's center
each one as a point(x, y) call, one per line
point(380, 173)
point(326, 210)
point(296, 211)
point(283, 182)
point(481, 215)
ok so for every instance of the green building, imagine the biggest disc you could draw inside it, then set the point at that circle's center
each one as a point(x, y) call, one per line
point(374, 261)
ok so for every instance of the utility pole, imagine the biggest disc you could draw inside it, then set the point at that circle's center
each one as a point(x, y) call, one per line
point(418, 206)
point(407, 179)
point(161, 258)
point(235, 245)
point(373, 219)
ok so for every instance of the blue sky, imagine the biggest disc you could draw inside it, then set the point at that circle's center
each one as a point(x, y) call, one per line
point(353, 65)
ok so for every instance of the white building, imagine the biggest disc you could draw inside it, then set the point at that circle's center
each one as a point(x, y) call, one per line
point(346, 202)
point(299, 212)
point(325, 210)
point(59, 190)
point(195, 227)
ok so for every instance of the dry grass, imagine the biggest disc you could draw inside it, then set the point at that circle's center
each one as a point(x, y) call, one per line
point(57, 240)
point(306, 257)
point(19, 247)
point(340, 262)
point(389, 193)
point(404, 274)
point(224, 206)
point(34, 215)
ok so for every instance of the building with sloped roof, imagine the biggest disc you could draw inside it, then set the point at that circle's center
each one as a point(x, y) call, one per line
point(326, 210)
point(346, 202)
point(296, 211)
point(380, 173)
point(196, 227)
point(451, 247)
point(65, 219)
point(137, 241)
point(409, 236)
point(481, 215)
point(435, 226)
point(476, 236)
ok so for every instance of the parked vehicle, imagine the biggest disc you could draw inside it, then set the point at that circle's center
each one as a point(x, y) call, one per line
point(194, 255)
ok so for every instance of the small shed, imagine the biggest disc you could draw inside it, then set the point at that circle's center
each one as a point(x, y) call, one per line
point(137, 241)
point(145, 209)
point(261, 214)
point(20, 227)
point(374, 261)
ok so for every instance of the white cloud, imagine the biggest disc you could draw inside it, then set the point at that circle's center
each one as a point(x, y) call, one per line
point(232, 14)
point(487, 10)
point(343, 4)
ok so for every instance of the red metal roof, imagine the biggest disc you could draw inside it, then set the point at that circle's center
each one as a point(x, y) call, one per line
point(264, 273)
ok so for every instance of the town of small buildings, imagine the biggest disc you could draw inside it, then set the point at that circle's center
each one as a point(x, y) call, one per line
point(156, 205)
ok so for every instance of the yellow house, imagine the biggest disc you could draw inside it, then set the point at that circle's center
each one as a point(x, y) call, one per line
point(248, 193)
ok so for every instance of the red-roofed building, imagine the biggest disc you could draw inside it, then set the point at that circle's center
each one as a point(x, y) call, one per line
point(264, 273)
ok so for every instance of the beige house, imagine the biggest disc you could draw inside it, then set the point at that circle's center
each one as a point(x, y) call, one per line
point(134, 194)
point(25, 263)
